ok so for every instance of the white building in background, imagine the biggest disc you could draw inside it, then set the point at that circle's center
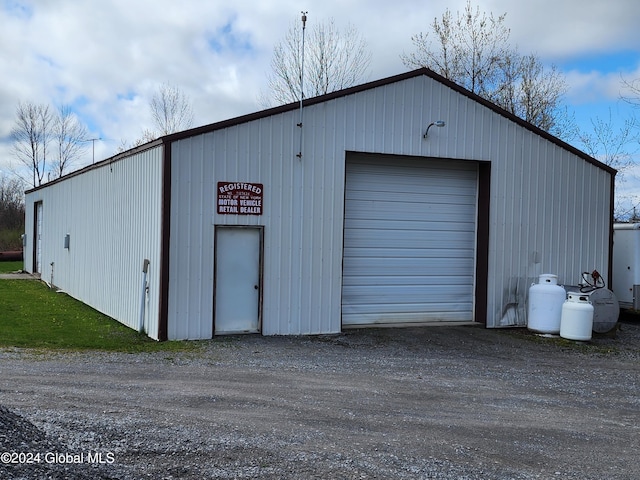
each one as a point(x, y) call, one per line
point(358, 217)
point(626, 264)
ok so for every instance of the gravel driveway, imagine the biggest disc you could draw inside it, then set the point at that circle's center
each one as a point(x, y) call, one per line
point(415, 403)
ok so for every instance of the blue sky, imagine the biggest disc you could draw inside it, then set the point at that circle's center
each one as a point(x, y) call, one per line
point(107, 57)
point(625, 60)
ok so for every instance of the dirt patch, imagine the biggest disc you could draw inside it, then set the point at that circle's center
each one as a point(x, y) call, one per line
point(433, 403)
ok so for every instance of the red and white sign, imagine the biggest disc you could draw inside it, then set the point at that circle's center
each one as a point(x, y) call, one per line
point(238, 198)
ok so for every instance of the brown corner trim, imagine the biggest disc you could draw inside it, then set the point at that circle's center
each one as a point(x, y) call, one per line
point(612, 219)
point(482, 242)
point(163, 319)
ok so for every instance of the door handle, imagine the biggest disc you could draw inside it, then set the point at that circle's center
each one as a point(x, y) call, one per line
point(255, 287)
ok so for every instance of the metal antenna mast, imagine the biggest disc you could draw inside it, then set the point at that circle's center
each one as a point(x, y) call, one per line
point(304, 25)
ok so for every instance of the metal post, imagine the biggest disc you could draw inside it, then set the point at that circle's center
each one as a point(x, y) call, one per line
point(304, 24)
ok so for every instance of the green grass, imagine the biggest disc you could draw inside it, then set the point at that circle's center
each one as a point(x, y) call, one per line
point(33, 316)
point(8, 267)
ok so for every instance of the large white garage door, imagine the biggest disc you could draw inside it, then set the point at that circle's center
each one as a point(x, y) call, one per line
point(409, 240)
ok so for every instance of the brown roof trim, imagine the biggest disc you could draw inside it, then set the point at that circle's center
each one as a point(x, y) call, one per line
point(109, 161)
point(386, 81)
point(523, 123)
point(290, 106)
point(167, 139)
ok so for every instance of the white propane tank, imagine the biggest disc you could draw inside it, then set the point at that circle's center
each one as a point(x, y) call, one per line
point(577, 317)
point(606, 308)
point(545, 304)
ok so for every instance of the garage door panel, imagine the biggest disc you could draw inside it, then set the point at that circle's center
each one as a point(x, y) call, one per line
point(379, 177)
point(365, 280)
point(410, 294)
point(373, 225)
point(381, 210)
point(409, 241)
point(365, 317)
point(436, 195)
point(440, 254)
point(357, 243)
point(382, 267)
point(445, 217)
point(419, 309)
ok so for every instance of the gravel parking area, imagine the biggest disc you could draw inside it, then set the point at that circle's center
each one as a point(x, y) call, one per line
point(414, 403)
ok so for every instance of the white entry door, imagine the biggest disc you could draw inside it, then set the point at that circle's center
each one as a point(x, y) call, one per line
point(237, 280)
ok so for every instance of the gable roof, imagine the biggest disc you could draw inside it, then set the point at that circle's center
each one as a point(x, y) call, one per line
point(167, 139)
point(386, 81)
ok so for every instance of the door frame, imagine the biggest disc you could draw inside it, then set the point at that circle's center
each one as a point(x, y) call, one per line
point(37, 231)
point(260, 229)
point(481, 256)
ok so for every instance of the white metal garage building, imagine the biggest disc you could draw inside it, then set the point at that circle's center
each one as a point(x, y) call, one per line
point(356, 218)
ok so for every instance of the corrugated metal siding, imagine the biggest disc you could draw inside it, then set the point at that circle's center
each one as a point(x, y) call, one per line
point(549, 209)
point(302, 198)
point(113, 217)
point(550, 214)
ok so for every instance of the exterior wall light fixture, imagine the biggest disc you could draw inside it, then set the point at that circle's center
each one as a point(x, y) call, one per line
point(438, 123)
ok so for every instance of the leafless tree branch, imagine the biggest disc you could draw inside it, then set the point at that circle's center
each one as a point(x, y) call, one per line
point(70, 137)
point(46, 143)
point(31, 136)
point(333, 60)
point(473, 50)
point(171, 110)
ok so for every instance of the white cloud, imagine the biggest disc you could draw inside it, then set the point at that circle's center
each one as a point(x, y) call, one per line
point(593, 86)
point(108, 56)
point(561, 29)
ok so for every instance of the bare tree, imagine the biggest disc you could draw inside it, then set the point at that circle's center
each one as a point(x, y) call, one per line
point(147, 136)
point(333, 59)
point(171, 110)
point(633, 87)
point(529, 91)
point(123, 146)
point(473, 51)
point(616, 148)
point(46, 143)
point(11, 212)
point(467, 49)
point(31, 136)
point(70, 137)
